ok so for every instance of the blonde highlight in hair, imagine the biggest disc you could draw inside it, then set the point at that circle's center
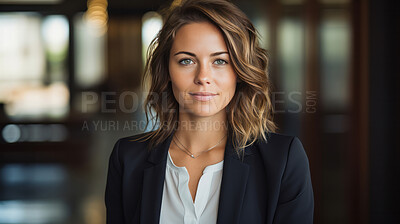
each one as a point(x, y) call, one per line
point(250, 112)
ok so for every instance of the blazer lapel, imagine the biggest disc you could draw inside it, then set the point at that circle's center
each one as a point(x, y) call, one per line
point(233, 186)
point(153, 184)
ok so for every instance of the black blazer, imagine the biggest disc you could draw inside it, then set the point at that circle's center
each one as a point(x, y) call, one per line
point(271, 185)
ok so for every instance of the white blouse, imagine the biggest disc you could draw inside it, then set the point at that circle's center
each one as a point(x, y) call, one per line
point(177, 204)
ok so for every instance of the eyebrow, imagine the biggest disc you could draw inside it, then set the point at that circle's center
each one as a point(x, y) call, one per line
point(194, 55)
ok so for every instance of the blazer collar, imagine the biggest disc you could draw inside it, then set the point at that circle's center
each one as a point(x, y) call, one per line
point(233, 184)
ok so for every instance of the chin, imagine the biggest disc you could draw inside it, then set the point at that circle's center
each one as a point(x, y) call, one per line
point(203, 111)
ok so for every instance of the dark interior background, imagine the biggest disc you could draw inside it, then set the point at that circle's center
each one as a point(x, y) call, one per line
point(68, 91)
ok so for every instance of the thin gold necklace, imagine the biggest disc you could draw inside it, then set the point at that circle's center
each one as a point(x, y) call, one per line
point(186, 150)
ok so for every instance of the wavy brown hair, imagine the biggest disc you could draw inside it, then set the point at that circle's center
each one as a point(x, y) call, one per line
point(250, 112)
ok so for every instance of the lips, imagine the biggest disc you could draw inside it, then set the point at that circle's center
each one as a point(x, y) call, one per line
point(203, 96)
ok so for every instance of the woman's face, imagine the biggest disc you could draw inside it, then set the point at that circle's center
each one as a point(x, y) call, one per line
point(201, 72)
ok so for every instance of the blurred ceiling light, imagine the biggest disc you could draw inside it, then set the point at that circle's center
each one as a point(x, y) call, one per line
point(35, 133)
point(90, 57)
point(11, 133)
point(263, 29)
point(335, 56)
point(33, 211)
point(291, 56)
point(151, 24)
point(97, 15)
point(55, 31)
point(22, 56)
point(12, 174)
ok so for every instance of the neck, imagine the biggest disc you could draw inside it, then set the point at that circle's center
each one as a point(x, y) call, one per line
point(200, 133)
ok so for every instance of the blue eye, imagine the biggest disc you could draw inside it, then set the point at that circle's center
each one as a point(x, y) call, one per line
point(186, 61)
point(220, 62)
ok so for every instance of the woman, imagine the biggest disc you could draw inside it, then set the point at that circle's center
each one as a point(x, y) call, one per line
point(214, 157)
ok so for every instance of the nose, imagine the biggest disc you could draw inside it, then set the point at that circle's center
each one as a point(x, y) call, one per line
point(203, 75)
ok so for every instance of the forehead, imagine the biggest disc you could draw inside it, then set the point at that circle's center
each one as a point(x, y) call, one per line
point(203, 36)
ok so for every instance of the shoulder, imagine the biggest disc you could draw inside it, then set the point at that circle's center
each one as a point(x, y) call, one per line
point(279, 143)
point(131, 148)
point(138, 140)
point(288, 173)
point(277, 139)
point(285, 160)
point(283, 151)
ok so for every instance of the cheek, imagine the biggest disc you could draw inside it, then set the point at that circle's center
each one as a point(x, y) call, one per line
point(174, 77)
point(176, 89)
point(180, 83)
point(228, 83)
point(179, 87)
point(181, 79)
point(232, 90)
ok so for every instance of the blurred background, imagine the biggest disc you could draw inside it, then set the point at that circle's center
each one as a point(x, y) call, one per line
point(70, 75)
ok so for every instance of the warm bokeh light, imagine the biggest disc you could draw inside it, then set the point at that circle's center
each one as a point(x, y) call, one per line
point(38, 102)
point(97, 15)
